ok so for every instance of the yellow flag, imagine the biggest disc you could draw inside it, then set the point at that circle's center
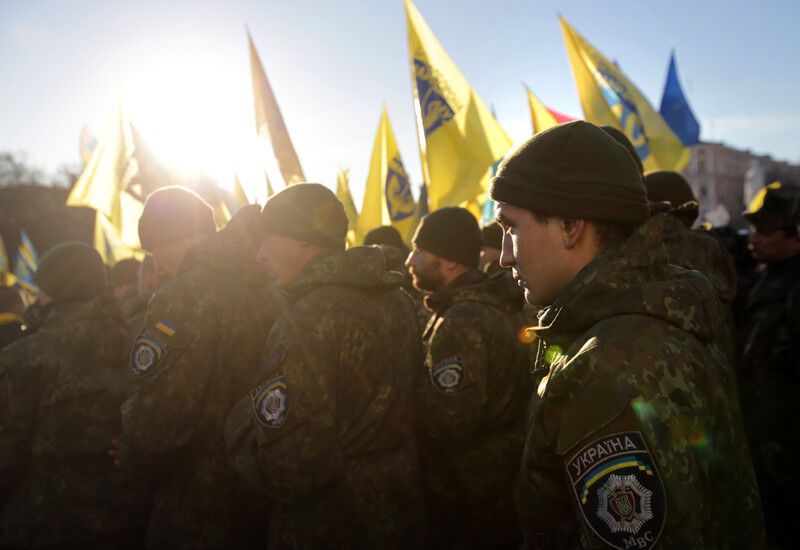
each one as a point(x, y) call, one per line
point(459, 138)
point(105, 186)
point(238, 192)
point(609, 98)
point(758, 200)
point(541, 117)
point(344, 196)
point(387, 194)
point(7, 278)
point(269, 121)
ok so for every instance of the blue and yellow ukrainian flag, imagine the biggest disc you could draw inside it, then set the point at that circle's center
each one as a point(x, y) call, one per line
point(26, 263)
point(609, 98)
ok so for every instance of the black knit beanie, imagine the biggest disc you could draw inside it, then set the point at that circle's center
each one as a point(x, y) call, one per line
point(668, 186)
point(492, 235)
point(451, 233)
point(71, 272)
point(307, 212)
point(573, 170)
point(172, 214)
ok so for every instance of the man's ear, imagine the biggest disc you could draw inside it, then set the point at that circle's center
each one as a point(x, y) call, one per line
point(572, 231)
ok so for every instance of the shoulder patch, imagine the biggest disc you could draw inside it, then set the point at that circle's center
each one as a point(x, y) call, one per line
point(271, 402)
point(619, 490)
point(447, 375)
point(147, 353)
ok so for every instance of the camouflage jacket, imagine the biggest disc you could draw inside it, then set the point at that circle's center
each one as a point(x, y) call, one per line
point(700, 250)
point(60, 396)
point(136, 312)
point(196, 355)
point(471, 406)
point(327, 431)
point(635, 435)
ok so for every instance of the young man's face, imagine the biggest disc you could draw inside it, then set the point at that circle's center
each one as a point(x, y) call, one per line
point(773, 245)
point(282, 258)
point(534, 250)
point(425, 269)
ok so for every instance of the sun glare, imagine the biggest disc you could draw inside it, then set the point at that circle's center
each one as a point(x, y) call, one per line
point(196, 116)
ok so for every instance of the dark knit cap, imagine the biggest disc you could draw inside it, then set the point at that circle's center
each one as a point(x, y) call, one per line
point(451, 233)
point(172, 214)
point(385, 234)
point(623, 140)
point(307, 212)
point(573, 170)
point(125, 272)
point(492, 235)
point(671, 187)
point(71, 272)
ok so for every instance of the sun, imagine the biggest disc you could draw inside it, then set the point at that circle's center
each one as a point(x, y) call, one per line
point(196, 114)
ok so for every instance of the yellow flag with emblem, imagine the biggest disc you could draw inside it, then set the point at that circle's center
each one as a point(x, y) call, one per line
point(105, 186)
point(269, 121)
point(344, 196)
point(608, 97)
point(387, 194)
point(459, 138)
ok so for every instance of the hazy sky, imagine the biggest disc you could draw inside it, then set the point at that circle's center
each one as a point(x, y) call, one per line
point(183, 70)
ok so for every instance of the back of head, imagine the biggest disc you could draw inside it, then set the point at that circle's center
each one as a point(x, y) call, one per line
point(623, 140)
point(492, 235)
point(71, 272)
point(574, 170)
point(671, 187)
point(11, 301)
point(451, 233)
point(173, 214)
point(125, 272)
point(306, 212)
point(385, 234)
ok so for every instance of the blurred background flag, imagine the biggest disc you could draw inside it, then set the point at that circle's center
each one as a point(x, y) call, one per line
point(387, 195)
point(422, 201)
point(106, 185)
point(344, 196)
point(270, 191)
point(459, 139)
point(269, 121)
point(675, 108)
point(543, 117)
point(26, 263)
point(7, 278)
point(608, 97)
point(87, 145)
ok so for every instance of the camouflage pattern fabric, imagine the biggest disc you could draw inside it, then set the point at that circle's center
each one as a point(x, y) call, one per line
point(136, 311)
point(700, 250)
point(635, 435)
point(770, 386)
point(327, 432)
point(191, 362)
point(472, 400)
point(60, 396)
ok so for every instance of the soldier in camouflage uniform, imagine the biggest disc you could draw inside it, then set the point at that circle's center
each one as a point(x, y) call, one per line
point(474, 389)
point(60, 396)
point(327, 431)
point(771, 359)
point(191, 362)
point(634, 435)
point(695, 249)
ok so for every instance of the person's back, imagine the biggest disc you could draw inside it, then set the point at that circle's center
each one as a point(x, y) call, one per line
point(327, 431)
point(60, 395)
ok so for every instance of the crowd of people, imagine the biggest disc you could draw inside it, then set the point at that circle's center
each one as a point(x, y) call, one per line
point(587, 371)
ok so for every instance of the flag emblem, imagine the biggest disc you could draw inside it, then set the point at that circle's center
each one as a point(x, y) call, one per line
point(435, 108)
point(399, 200)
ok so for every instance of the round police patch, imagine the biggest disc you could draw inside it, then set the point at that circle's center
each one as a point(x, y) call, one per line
point(146, 354)
point(619, 490)
point(271, 403)
point(447, 376)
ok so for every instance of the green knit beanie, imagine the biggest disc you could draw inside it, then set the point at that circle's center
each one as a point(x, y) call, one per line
point(671, 187)
point(307, 212)
point(492, 235)
point(573, 170)
point(451, 233)
point(71, 272)
point(172, 214)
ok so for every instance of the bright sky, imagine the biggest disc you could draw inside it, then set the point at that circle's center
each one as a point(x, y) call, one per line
point(184, 72)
